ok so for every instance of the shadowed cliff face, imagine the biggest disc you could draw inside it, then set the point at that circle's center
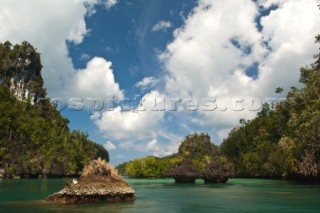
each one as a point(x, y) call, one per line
point(20, 68)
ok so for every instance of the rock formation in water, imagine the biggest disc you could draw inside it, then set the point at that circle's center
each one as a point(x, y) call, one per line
point(99, 182)
point(183, 172)
point(200, 159)
point(218, 170)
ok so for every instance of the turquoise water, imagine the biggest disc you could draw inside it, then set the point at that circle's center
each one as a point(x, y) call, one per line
point(238, 195)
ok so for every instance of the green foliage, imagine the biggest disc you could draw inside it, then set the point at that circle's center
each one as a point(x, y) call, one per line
point(121, 168)
point(9, 171)
point(279, 90)
point(149, 167)
point(35, 139)
point(195, 153)
point(317, 56)
point(196, 146)
point(283, 140)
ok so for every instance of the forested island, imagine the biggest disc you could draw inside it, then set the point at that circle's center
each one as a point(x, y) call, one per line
point(34, 138)
point(283, 141)
point(197, 158)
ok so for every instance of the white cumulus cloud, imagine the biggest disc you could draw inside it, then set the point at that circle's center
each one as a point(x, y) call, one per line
point(152, 147)
point(220, 41)
point(110, 3)
point(47, 25)
point(161, 25)
point(109, 146)
point(84, 57)
point(96, 81)
point(142, 122)
point(147, 83)
point(158, 149)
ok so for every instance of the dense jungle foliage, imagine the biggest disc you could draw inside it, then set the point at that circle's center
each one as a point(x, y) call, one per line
point(34, 138)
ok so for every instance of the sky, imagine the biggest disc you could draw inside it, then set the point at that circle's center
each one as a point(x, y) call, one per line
point(139, 75)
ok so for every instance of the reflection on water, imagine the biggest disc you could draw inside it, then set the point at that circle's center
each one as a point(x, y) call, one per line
point(238, 195)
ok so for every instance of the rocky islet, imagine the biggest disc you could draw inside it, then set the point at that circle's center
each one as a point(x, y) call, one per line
point(99, 182)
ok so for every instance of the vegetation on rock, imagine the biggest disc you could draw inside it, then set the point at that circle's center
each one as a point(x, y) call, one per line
point(197, 158)
point(99, 182)
point(34, 138)
point(100, 167)
point(283, 140)
point(149, 167)
point(200, 159)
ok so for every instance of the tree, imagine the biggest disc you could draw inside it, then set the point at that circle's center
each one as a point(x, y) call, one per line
point(283, 140)
point(279, 90)
point(200, 159)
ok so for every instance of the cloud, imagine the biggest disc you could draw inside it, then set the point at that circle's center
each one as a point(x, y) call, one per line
point(110, 3)
point(109, 146)
point(147, 83)
point(158, 149)
point(90, 5)
point(212, 53)
point(120, 156)
point(152, 147)
point(47, 26)
point(84, 57)
point(142, 122)
point(155, 148)
point(96, 81)
point(127, 145)
point(161, 25)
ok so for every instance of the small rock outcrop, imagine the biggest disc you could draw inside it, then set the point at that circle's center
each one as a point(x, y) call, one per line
point(99, 182)
point(200, 159)
point(20, 71)
point(183, 172)
point(218, 170)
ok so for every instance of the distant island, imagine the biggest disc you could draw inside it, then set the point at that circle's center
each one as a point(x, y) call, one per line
point(197, 158)
point(35, 140)
point(283, 141)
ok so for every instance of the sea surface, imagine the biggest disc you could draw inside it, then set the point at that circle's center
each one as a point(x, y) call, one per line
point(163, 195)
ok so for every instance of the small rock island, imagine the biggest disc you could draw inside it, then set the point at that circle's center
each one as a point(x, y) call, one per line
point(200, 159)
point(99, 182)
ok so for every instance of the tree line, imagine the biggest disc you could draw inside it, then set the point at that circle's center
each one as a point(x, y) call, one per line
point(197, 158)
point(283, 140)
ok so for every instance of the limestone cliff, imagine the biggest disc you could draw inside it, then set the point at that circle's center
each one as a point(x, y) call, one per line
point(20, 68)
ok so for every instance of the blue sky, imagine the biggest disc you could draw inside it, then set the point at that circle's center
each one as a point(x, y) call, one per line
point(124, 35)
point(206, 63)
